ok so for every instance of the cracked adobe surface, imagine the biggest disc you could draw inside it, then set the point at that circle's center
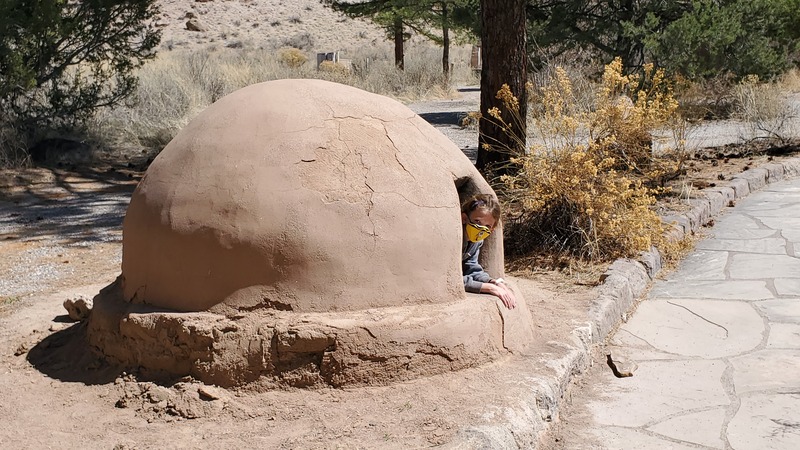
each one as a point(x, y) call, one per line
point(302, 193)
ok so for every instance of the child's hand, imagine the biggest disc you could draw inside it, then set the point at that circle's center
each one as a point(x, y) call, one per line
point(502, 292)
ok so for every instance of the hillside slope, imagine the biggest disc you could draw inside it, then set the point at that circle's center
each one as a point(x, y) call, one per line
point(264, 24)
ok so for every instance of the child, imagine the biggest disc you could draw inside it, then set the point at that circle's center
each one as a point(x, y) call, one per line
point(479, 215)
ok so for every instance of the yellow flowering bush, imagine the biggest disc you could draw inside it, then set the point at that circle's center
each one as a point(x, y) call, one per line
point(588, 182)
point(292, 57)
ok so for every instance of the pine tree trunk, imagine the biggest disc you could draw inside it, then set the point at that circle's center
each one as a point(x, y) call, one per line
point(504, 61)
point(445, 43)
point(399, 57)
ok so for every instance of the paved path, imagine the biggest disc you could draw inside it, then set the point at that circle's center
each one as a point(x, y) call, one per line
point(717, 345)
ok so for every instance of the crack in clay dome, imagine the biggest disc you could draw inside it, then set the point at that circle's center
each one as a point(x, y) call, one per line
point(270, 241)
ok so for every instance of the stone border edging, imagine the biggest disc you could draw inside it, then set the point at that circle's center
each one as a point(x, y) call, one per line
point(624, 282)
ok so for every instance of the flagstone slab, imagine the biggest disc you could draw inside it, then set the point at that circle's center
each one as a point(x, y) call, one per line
point(703, 265)
point(701, 428)
point(761, 204)
point(768, 421)
point(627, 347)
point(624, 438)
point(781, 210)
point(781, 310)
point(792, 236)
point(776, 246)
point(784, 186)
point(746, 290)
point(635, 356)
point(659, 389)
point(767, 370)
point(735, 222)
point(743, 233)
point(784, 335)
point(702, 328)
point(788, 286)
point(749, 267)
point(778, 223)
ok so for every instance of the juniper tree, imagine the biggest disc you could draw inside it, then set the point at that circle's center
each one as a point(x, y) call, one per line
point(62, 59)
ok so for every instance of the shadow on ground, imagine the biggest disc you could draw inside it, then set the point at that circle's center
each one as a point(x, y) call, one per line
point(66, 356)
point(444, 118)
point(84, 206)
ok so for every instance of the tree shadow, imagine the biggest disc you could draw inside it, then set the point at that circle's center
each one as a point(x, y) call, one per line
point(67, 356)
point(444, 118)
point(76, 206)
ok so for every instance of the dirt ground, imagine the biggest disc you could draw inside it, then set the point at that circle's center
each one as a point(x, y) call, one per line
point(60, 237)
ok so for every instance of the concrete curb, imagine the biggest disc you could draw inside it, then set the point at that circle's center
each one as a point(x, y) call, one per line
point(625, 281)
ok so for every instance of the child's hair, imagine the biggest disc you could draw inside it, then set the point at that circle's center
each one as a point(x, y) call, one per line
point(482, 201)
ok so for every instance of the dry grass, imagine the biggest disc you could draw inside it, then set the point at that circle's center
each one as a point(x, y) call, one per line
point(13, 150)
point(585, 189)
point(177, 86)
point(790, 81)
point(705, 99)
point(762, 106)
point(292, 57)
point(561, 273)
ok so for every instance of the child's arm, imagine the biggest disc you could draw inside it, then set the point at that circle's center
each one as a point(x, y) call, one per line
point(476, 280)
point(474, 275)
point(502, 292)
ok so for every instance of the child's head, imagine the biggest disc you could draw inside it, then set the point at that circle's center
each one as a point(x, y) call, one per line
point(482, 210)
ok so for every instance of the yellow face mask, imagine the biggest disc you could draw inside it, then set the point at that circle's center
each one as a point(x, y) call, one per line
point(477, 233)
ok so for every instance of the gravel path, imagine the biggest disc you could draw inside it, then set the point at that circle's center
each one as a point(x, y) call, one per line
point(79, 219)
point(59, 231)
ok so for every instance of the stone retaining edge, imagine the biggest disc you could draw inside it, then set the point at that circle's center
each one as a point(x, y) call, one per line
point(624, 282)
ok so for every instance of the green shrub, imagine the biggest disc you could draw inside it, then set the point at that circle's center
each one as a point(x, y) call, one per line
point(742, 37)
point(61, 60)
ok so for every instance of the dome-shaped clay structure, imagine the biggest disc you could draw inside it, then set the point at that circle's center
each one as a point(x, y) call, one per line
point(303, 232)
point(299, 195)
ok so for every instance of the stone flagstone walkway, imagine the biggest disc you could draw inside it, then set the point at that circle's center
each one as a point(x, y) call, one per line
point(717, 344)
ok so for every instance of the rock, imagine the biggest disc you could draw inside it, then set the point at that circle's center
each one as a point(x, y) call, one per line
point(158, 394)
point(210, 392)
point(21, 349)
point(78, 308)
point(621, 368)
point(196, 25)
